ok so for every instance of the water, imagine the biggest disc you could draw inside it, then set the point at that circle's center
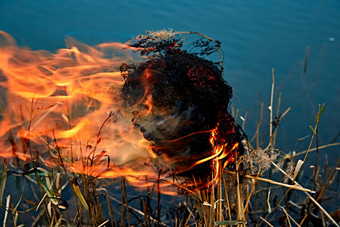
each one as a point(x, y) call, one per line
point(256, 36)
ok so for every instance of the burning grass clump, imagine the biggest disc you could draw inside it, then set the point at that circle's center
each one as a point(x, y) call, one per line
point(180, 102)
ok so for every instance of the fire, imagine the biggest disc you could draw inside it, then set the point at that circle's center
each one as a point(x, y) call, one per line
point(76, 109)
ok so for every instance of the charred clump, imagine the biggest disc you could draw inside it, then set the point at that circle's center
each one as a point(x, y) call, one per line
point(179, 101)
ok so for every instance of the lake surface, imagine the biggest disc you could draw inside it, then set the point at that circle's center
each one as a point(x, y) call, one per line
point(256, 36)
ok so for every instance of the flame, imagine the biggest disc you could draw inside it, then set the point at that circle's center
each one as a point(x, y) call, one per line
point(69, 102)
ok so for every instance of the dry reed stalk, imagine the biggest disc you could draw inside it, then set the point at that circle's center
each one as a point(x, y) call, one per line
point(309, 196)
point(240, 208)
point(274, 182)
point(271, 111)
point(264, 220)
point(315, 148)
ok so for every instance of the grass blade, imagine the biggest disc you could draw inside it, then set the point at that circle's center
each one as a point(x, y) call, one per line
point(231, 222)
point(322, 108)
point(8, 201)
point(80, 196)
point(3, 181)
point(49, 193)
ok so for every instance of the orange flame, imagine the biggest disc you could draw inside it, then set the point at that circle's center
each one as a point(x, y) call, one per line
point(71, 100)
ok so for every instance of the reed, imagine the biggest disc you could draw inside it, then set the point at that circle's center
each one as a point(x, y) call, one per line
point(241, 197)
point(32, 194)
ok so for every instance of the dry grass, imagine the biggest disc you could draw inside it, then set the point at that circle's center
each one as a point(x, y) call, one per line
point(240, 198)
point(250, 195)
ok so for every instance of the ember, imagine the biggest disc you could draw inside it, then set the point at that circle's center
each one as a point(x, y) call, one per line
point(161, 116)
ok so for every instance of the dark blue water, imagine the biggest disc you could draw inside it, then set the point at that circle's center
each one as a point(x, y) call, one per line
point(256, 36)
